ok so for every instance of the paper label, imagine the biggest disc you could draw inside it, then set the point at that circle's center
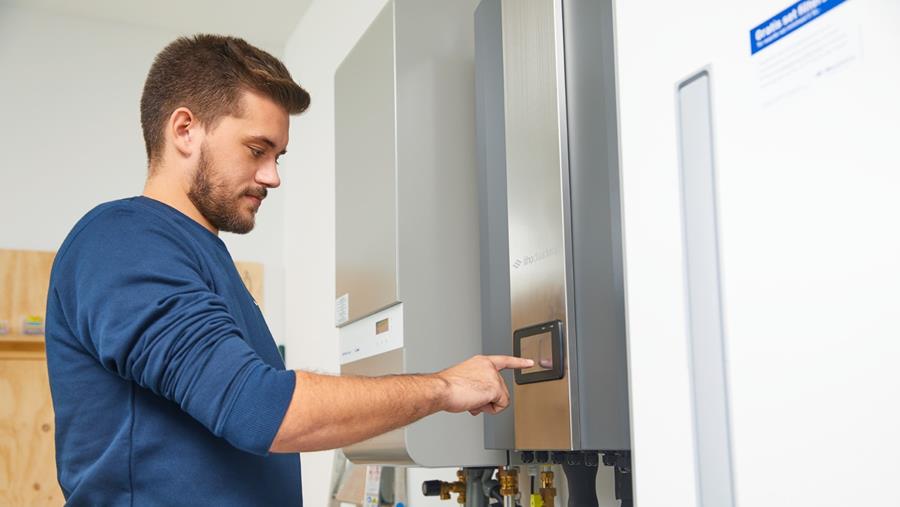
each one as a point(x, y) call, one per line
point(818, 46)
point(372, 497)
point(342, 310)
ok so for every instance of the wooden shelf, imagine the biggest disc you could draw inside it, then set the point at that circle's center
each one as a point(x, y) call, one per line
point(21, 338)
point(22, 346)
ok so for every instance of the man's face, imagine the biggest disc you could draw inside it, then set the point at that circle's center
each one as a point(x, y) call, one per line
point(238, 163)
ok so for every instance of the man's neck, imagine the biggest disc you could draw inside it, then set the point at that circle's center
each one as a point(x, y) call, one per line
point(165, 190)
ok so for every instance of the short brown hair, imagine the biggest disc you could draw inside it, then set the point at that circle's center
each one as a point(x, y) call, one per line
point(208, 74)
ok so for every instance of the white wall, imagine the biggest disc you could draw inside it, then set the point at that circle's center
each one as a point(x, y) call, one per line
point(70, 134)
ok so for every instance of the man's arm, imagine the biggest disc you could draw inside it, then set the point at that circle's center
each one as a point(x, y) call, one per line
point(327, 412)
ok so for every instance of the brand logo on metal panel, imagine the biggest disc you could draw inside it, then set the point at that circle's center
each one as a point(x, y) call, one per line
point(528, 260)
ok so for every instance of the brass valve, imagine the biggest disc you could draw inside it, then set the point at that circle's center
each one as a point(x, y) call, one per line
point(444, 489)
point(548, 492)
point(509, 481)
point(459, 487)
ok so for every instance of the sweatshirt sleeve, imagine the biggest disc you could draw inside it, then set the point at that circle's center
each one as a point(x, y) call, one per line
point(140, 303)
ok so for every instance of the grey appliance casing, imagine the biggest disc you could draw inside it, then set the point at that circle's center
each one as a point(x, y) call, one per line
point(407, 245)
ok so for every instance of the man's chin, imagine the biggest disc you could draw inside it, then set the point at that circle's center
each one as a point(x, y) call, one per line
point(240, 227)
point(246, 227)
point(239, 230)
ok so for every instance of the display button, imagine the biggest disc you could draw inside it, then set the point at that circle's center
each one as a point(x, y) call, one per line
point(538, 348)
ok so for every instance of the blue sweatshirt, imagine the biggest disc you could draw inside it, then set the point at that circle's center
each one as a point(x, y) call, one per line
point(167, 386)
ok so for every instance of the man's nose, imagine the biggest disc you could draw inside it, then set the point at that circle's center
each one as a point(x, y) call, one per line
point(268, 175)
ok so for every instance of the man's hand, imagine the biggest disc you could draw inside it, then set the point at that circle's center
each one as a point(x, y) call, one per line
point(476, 385)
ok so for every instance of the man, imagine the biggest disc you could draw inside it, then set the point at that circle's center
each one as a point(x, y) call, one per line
point(167, 385)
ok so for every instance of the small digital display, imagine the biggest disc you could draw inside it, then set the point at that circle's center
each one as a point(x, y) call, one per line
point(382, 326)
point(538, 348)
point(543, 344)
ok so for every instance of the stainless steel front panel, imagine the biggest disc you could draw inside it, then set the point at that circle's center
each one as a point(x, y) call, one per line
point(537, 173)
point(365, 173)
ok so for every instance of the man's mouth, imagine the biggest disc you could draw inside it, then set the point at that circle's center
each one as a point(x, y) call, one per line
point(257, 197)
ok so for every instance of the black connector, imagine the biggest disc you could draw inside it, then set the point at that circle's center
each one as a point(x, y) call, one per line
point(621, 463)
point(432, 488)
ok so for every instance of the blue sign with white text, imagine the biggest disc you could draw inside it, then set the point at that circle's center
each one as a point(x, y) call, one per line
point(788, 20)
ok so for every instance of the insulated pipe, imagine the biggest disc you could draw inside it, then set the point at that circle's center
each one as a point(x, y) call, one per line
point(582, 483)
point(490, 486)
point(475, 496)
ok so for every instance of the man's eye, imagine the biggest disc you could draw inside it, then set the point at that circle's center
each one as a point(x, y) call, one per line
point(256, 153)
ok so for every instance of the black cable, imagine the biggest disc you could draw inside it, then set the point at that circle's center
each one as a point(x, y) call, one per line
point(495, 494)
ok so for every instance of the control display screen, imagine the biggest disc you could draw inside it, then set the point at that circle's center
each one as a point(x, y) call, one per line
point(543, 344)
point(538, 348)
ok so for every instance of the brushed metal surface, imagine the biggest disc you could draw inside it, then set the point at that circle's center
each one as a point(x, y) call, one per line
point(365, 172)
point(389, 448)
point(536, 170)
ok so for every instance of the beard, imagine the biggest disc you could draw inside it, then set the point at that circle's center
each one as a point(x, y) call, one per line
point(221, 206)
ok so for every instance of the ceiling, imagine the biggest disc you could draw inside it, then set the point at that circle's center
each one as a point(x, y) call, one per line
point(267, 23)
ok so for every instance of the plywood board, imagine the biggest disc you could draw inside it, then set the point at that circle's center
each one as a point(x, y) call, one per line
point(252, 275)
point(24, 277)
point(27, 461)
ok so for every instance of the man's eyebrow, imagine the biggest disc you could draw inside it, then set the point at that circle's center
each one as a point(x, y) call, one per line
point(265, 140)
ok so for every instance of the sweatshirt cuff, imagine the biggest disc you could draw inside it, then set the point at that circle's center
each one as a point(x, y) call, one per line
point(259, 409)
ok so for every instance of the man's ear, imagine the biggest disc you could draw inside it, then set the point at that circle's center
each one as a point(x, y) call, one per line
point(184, 131)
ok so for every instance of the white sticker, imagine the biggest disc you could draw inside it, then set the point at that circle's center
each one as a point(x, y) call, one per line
point(342, 310)
point(373, 486)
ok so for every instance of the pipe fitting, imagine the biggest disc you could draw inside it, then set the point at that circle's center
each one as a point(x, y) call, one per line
point(509, 481)
point(548, 492)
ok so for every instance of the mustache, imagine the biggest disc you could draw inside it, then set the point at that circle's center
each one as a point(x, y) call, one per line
point(258, 192)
